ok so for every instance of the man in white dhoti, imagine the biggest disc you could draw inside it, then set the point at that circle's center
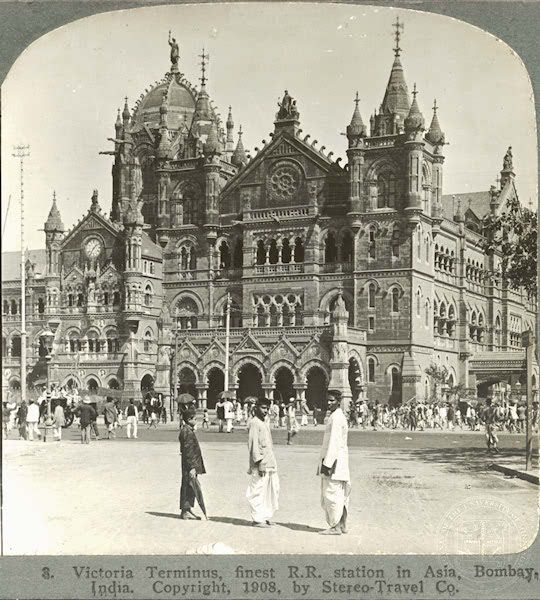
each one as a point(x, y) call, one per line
point(334, 468)
point(263, 489)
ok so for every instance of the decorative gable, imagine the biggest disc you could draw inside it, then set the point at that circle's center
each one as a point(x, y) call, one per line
point(249, 345)
point(188, 352)
point(284, 350)
point(215, 351)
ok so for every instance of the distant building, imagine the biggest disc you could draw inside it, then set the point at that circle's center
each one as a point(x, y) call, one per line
point(359, 274)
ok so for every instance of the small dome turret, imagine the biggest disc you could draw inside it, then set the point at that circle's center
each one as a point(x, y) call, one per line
point(212, 145)
point(356, 128)
point(239, 155)
point(435, 134)
point(54, 220)
point(415, 120)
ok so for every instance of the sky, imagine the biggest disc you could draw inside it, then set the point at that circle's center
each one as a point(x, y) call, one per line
point(62, 93)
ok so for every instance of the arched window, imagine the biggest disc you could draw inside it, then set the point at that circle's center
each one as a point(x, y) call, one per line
point(395, 243)
point(190, 207)
point(286, 251)
point(347, 247)
point(371, 369)
point(395, 380)
point(116, 298)
point(224, 256)
point(273, 254)
point(147, 343)
point(273, 315)
point(418, 303)
point(451, 323)
point(238, 257)
point(261, 253)
point(80, 299)
point(235, 315)
point(260, 316)
point(113, 343)
point(41, 306)
point(16, 346)
point(13, 307)
point(187, 313)
point(5, 306)
point(372, 290)
point(330, 248)
point(498, 331)
point(93, 341)
point(148, 295)
point(298, 250)
point(386, 190)
point(371, 243)
point(395, 299)
point(426, 315)
point(74, 342)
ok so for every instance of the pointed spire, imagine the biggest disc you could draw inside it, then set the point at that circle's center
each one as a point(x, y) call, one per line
point(230, 126)
point(211, 146)
point(230, 122)
point(458, 215)
point(118, 123)
point(125, 113)
point(164, 143)
point(239, 155)
point(396, 96)
point(54, 220)
point(415, 119)
point(435, 134)
point(356, 127)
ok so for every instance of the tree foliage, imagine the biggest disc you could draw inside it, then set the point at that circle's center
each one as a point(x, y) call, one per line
point(513, 233)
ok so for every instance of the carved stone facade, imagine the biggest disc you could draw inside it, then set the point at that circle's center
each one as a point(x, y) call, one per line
point(358, 275)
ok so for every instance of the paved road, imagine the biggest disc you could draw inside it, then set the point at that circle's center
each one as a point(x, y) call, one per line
point(124, 495)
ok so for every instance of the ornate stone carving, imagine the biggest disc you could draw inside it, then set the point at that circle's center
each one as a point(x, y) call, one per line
point(284, 182)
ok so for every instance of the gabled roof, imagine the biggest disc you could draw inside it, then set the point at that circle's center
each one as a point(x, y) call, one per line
point(99, 216)
point(479, 204)
point(149, 248)
point(324, 161)
point(11, 264)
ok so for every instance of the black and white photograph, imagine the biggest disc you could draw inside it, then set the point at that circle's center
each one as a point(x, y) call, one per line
point(269, 285)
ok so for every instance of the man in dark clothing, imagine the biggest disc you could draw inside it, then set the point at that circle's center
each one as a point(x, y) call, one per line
point(110, 416)
point(489, 417)
point(192, 461)
point(87, 414)
point(21, 420)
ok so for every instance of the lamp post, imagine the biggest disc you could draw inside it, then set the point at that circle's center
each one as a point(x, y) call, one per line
point(48, 338)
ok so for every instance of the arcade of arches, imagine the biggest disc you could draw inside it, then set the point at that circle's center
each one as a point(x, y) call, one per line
point(249, 381)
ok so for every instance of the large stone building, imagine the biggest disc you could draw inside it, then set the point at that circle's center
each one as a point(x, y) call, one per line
point(362, 274)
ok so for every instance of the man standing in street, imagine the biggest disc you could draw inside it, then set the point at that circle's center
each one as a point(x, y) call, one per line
point(229, 414)
point(32, 418)
point(220, 412)
point(334, 468)
point(263, 489)
point(110, 416)
point(86, 413)
point(489, 416)
point(132, 416)
point(192, 460)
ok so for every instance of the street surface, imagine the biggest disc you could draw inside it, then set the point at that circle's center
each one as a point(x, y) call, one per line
point(121, 496)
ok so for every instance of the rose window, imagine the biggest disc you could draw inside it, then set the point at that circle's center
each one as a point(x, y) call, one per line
point(284, 182)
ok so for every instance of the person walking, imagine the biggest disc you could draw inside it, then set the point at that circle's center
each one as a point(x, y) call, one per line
point(110, 416)
point(292, 423)
point(59, 421)
point(132, 416)
point(192, 460)
point(205, 419)
point(220, 412)
point(488, 416)
point(87, 414)
point(304, 409)
point(229, 415)
point(334, 468)
point(32, 418)
point(22, 412)
point(263, 489)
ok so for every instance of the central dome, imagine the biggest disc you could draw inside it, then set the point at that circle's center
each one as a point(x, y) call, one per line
point(181, 98)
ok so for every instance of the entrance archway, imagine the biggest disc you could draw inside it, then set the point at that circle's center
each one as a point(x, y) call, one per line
point(113, 384)
point(395, 387)
point(216, 384)
point(316, 388)
point(92, 385)
point(186, 382)
point(147, 384)
point(283, 382)
point(355, 379)
point(249, 382)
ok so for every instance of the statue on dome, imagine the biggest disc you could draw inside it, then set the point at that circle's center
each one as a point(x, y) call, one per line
point(287, 107)
point(508, 161)
point(175, 51)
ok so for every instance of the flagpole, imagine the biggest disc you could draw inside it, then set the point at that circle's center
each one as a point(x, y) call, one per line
point(227, 335)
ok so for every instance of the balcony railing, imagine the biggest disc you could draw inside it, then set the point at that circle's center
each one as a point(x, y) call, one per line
point(279, 268)
point(283, 213)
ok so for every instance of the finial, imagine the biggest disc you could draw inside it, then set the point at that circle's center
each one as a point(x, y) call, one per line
point(435, 107)
point(414, 92)
point(54, 195)
point(399, 28)
point(204, 57)
point(357, 99)
point(240, 132)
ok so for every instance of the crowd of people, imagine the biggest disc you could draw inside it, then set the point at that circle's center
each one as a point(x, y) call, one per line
point(421, 416)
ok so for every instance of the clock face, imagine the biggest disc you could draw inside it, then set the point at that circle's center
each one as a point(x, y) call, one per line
point(92, 248)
